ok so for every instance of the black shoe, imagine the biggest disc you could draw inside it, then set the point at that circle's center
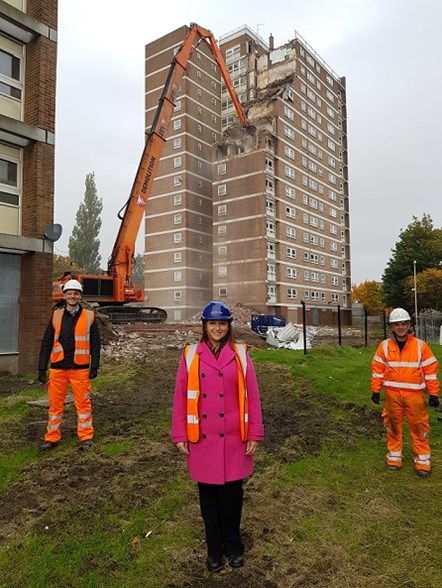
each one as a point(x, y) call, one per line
point(87, 444)
point(236, 561)
point(46, 445)
point(213, 565)
point(423, 473)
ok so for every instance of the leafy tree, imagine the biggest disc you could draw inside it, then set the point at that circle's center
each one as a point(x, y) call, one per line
point(84, 244)
point(63, 264)
point(429, 290)
point(419, 242)
point(370, 295)
point(138, 271)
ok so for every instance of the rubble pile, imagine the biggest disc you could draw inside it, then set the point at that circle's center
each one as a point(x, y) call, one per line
point(134, 342)
point(241, 315)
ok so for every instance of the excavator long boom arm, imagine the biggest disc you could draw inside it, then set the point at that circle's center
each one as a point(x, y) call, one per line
point(121, 261)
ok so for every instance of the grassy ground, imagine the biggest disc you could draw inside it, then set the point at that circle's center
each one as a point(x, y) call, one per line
point(320, 511)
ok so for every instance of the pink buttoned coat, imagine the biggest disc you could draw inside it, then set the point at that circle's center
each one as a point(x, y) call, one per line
point(220, 454)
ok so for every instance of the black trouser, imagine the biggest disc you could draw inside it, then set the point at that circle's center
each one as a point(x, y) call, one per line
point(221, 507)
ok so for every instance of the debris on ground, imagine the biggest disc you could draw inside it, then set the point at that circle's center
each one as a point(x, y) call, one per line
point(290, 336)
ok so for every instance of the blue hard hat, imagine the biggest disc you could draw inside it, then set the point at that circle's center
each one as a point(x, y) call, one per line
point(216, 311)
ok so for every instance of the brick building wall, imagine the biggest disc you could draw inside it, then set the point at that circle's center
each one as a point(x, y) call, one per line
point(37, 141)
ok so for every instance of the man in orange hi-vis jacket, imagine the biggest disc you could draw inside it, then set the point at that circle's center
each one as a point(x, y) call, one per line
point(71, 344)
point(405, 367)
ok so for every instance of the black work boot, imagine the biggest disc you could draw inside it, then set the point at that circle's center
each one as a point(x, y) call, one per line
point(46, 445)
point(87, 444)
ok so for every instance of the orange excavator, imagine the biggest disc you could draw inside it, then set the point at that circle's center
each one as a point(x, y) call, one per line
point(114, 289)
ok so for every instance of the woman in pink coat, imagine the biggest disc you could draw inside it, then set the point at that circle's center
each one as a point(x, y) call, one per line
point(217, 424)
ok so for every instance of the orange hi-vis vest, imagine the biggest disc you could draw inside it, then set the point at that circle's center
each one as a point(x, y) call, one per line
point(193, 390)
point(82, 352)
point(413, 369)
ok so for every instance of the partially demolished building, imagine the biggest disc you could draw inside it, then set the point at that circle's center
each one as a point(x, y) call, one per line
point(257, 217)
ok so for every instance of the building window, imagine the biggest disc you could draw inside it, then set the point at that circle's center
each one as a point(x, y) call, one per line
point(270, 187)
point(177, 219)
point(289, 172)
point(9, 182)
point(222, 250)
point(10, 75)
point(222, 230)
point(222, 271)
point(288, 112)
point(177, 257)
point(291, 273)
point(222, 168)
point(177, 238)
point(177, 162)
point(290, 232)
point(289, 152)
point(9, 296)
point(270, 207)
point(291, 253)
point(290, 212)
point(177, 105)
point(177, 295)
point(222, 190)
point(177, 143)
point(177, 181)
point(177, 276)
point(290, 133)
point(270, 229)
point(176, 124)
point(177, 199)
point(222, 210)
point(222, 292)
point(289, 192)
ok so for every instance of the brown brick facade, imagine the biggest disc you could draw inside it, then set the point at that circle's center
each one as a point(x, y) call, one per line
point(37, 193)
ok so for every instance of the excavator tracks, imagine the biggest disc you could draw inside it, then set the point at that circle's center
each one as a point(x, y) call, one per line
point(134, 314)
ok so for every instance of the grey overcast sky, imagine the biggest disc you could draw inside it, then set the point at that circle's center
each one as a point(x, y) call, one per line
point(389, 51)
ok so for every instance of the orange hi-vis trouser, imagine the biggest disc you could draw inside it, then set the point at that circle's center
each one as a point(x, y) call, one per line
point(410, 404)
point(81, 391)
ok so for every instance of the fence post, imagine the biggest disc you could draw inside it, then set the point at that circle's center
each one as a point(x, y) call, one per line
point(339, 325)
point(304, 327)
point(366, 326)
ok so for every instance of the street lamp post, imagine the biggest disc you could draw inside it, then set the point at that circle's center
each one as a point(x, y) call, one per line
point(416, 316)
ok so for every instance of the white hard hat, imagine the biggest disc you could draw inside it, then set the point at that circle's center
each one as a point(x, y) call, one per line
point(72, 285)
point(399, 314)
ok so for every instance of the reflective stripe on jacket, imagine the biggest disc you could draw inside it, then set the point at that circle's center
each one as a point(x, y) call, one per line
point(193, 390)
point(82, 352)
point(413, 369)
